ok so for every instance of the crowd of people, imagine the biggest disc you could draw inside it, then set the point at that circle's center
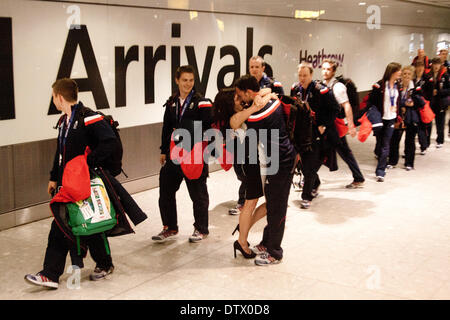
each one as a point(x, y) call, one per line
point(305, 130)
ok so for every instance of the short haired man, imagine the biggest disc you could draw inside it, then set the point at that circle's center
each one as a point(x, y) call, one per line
point(77, 130)
point(340, 93)
point(257, 67)
point(183, 108)
point(277, 186)
point(439, 101)
point(423, 58)
point(321, 102)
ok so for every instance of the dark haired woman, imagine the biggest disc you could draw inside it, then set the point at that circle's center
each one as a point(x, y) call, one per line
point(385, 97)
point(227, 106)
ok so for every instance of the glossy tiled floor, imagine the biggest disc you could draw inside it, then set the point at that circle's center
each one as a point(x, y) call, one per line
point(388, 240)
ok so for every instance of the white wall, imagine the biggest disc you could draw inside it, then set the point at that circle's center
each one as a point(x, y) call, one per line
point(40, 33)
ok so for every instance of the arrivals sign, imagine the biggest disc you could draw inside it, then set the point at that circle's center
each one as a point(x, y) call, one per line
point(123, 57)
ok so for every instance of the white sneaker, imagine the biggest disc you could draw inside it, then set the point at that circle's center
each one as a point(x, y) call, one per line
point(305, 204)
point(40, 280)
point(424, 152)
point(408, 168)
point(439, 145)
point(389, 166)
point(197, 236)
point(259, 249)
point(380, 179)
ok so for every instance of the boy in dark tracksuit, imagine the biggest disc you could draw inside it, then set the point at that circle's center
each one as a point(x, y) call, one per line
point(270, 125)
point(186, 109)
point(78, 129)
point(440, 98)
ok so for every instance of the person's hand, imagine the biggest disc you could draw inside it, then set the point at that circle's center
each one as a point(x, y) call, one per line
point(260, 101)
point(51, 187)
point(321, 129)
point(352, 130)
point(162, 159)
point(409, 103)
point(434, 92)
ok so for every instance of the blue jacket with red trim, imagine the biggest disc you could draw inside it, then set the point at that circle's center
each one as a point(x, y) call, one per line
point(87, 129)
point(441, 83)
point(268, 82)
point(199, 109)
point(272, 117)
point(322, 103)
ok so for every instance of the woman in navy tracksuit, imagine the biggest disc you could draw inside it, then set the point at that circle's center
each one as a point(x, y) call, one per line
point(385, 97)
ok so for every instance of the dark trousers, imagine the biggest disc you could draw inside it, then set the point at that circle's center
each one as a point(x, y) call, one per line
point(440, 124)
point(346, 154)
point(170, 178)
point(243, 186)
point(382, 147)
point(276, 190)
point(410, 145)
point(394, 147)
point(311, 163)
point(424, 131)
point(59, 245)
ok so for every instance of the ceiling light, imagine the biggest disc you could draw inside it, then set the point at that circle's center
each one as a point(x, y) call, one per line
point(304, 14)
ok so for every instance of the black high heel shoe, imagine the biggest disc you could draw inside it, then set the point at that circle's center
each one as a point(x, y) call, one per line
point(246, 255)
point(236, 229)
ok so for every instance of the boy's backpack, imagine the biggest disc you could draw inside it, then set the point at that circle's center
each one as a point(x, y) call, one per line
point(93, 215)
point(114, 163)
point(353, 97)
point(297, 114)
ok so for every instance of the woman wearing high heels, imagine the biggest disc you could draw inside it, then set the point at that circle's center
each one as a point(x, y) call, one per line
point(227, 108)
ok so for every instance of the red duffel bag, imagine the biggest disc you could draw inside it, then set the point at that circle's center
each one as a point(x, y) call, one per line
point(426, 114)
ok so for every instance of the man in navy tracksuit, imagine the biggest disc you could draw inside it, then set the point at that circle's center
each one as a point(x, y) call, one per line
point(256, 69)
point(184, 109)
point(269, 122)
point(440, 98)
point(78, 129)
point(320, 100)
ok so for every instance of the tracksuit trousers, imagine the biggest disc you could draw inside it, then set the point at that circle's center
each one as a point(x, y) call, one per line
point(276, 190)
point(59, 245)
point(170, 178)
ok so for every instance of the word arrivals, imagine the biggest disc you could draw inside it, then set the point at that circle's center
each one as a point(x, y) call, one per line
point(78, 36)
point(192, 310)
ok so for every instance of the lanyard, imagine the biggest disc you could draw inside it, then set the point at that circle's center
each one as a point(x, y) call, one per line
point(392, 97)
point(63, 137)
point(307, 93)
point(184, 106)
